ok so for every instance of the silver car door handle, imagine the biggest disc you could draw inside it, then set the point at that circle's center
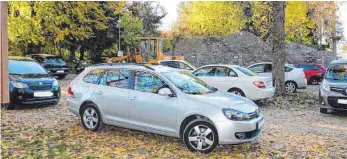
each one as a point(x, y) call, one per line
point(99, 92)
point(133, 98)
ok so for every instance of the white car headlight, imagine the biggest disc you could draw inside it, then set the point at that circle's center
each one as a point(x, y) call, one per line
point(19, 84)
point(325, 87)
point(55, 83)
point(233, 114)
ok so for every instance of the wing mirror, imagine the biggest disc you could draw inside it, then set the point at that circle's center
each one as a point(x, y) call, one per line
point(166, 92)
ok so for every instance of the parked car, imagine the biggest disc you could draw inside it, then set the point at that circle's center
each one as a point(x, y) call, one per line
point(294, 77)
point(313, 72)
point(161, 100)
point(54, 64)
point(178, 64)
point(333, 89)
point(237, 80)
point(30, 84)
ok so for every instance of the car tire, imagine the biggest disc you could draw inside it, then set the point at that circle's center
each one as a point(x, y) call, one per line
point(9, 106)
point(323, 110)
point(199, 141)
point(91, 118)
point(61, 76)
point(290, 87)
point(314, 81)
point(237, 91)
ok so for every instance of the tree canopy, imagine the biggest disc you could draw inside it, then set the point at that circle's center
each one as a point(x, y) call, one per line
point(79, 27)
point(305, 22)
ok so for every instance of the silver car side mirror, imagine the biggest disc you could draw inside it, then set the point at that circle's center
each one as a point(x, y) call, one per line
point(165, 92)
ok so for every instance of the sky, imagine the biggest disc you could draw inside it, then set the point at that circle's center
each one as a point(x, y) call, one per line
point(171, 17)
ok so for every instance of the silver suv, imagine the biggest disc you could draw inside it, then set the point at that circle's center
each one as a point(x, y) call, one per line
point(333, 89)
point(161, 100)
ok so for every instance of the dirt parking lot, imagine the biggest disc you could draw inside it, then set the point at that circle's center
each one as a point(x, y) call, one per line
point(293, 128)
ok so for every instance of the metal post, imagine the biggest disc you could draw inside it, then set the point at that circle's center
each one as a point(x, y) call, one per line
point(4, 87)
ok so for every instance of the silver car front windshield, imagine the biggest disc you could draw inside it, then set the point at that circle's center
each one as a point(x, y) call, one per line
point(337, 72)
point(188, 83)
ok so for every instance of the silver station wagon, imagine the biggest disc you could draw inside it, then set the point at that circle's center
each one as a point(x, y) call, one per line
point(164, 101)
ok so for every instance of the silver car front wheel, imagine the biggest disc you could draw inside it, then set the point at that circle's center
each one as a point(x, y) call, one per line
point(200, 135)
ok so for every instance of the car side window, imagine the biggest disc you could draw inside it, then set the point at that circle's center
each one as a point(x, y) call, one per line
point(172, 64)
point(184, 66)
point(205, 71)
point(268, 68)
point(258, 68)
point(287, 69)
point(164, 63)
point(147, 82)
point(224, 72)
point(116, 78)
point(317, 68)
point(93, 76)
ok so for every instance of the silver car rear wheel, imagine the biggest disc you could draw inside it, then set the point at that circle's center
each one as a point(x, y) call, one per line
point(91, 118)
point(290, 87)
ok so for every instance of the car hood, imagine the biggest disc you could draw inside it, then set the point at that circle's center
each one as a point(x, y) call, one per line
point(336, 83)
point(32, 78)
point(227, 100)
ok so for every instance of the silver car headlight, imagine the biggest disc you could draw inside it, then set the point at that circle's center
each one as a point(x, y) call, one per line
point(325, 87)
point(19, 84)
point(233, 114)
point(55, 83)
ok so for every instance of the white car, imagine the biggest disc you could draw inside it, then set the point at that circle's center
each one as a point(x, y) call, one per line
point(294, 77)
point(237, 80)
point(178, 64)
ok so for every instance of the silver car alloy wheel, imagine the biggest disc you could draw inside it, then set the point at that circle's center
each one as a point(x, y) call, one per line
point(90, 118)
point(201, 137)
point(290, 87)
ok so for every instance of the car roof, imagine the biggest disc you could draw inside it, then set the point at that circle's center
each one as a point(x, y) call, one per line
point(44, 55)
point(338, 61)
point(20, 58)
point(288, 65)
point(155, 68)
point(223, 65)
point(170, 60)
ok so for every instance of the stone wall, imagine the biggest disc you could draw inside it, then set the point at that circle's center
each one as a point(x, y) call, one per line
point(242, 48)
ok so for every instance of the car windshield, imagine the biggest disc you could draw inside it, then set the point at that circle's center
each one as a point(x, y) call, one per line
point(337, 72)
point(25, 67)
point(54, 61)
point(246, 71)
point(188, 83)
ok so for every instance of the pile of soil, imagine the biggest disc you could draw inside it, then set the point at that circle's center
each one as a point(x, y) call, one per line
point(242, 48)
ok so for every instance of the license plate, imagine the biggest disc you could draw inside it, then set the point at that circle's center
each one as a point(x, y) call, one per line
point(260, 124)
point(43, 94)
point(342, 101)
point(60, 71)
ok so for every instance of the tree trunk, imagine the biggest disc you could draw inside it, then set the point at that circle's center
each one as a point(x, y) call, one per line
point(72, 56)
point(82, 49)
point(278, 46)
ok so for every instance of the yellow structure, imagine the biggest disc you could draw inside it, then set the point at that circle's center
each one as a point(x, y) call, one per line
point(148, 51)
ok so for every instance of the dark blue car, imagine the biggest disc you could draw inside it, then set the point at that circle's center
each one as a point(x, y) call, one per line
point(30, 84)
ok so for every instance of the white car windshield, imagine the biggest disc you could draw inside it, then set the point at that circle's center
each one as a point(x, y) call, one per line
point(188, 83)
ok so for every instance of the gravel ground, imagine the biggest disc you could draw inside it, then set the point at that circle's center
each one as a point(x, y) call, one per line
point(293, 128)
